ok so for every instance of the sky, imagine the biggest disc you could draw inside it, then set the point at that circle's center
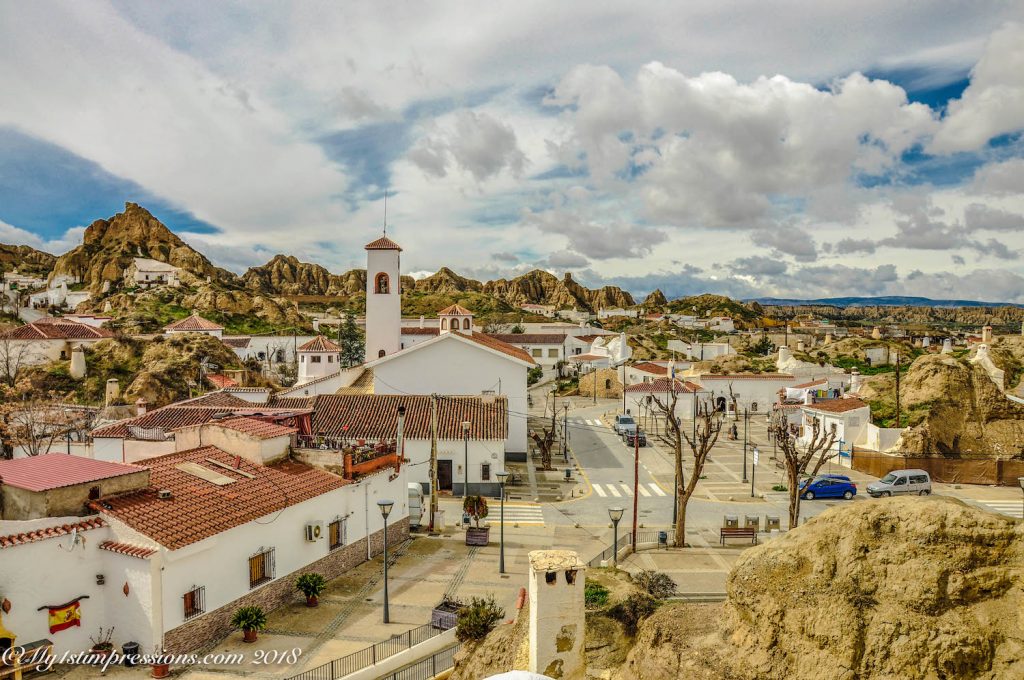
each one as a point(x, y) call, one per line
point(748, 148)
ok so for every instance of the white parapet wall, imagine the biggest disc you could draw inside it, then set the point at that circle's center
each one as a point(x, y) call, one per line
point(557, 616)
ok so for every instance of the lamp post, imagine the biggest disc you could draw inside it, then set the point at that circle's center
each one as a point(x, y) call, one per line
point(1020, 480)
point(385, 510)
point(615, 514)
point(465, 466)
point(502, 476)
point(746, 423)
point(753, 470)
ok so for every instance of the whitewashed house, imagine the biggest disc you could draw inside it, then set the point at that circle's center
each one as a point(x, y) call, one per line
point(850, 417)
point(701, 351)
point(194, 324)
point(45, 340)
point(547, 349)
point(751, 392)
point(145, 272)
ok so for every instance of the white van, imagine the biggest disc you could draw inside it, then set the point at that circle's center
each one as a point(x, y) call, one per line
point(415, 504)
point(902, 482)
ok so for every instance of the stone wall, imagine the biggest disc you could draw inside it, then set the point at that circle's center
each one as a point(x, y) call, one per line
point(213, 626)
point(609, 384)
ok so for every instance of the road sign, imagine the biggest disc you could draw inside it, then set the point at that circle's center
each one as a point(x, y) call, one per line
point(757, 454)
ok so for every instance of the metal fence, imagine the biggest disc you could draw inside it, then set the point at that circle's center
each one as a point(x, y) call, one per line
point(643, 537)
point(427, 668)
point(944, 470)
point(369, 656)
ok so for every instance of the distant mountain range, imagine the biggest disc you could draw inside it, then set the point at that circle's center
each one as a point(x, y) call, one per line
point(881, 301)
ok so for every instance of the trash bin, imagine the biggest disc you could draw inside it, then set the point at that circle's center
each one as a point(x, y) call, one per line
point(752, 522)
point(568, 474)
point(130, 651)
point(771, 522)
point(663, 538)
point(731, 522)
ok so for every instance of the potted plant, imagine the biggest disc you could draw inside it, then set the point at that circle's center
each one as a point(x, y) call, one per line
point(251, 620)
point(476, 508)
point(101, 644)
point(160, 666)
point(311, 585)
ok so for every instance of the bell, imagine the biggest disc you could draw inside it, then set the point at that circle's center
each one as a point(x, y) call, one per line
point(5, 606)
point(125, 589)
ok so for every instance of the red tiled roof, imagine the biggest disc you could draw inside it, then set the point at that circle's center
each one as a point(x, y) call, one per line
point(383, 243)
point(416, 330)
point(260, 429)
point(221, 381)
point(375, 416)
point(530, 338)
point(56, 329)
point(175, 417)
point(199, 509)
point(813, 383)
point(217, 398)
point(56, 470)
point(319, 344)
point(455, 309)
point(746, 376)
point(298, 403)
point(648, 367)
point(44, 533)
point(236, 343)
point(662, 385)
point(587, 357)
point(493, 343)
point(193, 323)
point(127, 549)
point(836, 405)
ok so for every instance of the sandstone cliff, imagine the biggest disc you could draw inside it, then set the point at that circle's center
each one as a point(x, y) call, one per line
point(655, 299)
point(448, 282)
point(540, 287)
point(27, 260)
point(970, 316)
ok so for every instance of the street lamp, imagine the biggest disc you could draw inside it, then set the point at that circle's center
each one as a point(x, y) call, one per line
point(502, 476)
point(746, 425)
point(615, 514)
point(385, 510)
point(465, 469)
point(753, 470)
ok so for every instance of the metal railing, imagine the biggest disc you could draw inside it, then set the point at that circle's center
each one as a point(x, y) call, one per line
point(643, 537)
point(429, 667)
point(372, 655)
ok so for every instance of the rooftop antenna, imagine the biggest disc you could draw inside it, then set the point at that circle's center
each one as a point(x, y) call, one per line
point(385, 212)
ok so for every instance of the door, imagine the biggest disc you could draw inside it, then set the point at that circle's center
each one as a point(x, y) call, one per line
point(444, 475)
point(900, 486)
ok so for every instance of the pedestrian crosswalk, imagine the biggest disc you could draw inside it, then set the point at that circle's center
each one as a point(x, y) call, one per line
point(518, 513)
point(590, 422)
point(606, 489)
point(1011, 508)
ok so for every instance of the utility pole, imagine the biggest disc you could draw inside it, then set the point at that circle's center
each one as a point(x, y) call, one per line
point(433, 461)
point(565, 431)
point(746, 422)
point(636, 483)
point(898, 419)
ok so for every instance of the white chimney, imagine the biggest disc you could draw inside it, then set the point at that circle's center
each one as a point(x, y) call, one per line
point(557, 619)
point(421, 321)
point(947, 346)
point(808, 397)
point(112, 392)
point(77, 369)
point(140, 406)
point(986, 335)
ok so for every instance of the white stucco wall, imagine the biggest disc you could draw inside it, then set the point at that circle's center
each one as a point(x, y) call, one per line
point(383, 311)
point(749, 392)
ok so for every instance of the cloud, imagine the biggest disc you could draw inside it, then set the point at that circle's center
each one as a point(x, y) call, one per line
point(759, 265)
point(477, 143)
point(993, 104)
point(17, 236)
point(788, 240)
point(980, 217)
point(849, 246)
point(1001, 179)
point(510, 258)
point(959, 261)
point(594, 239)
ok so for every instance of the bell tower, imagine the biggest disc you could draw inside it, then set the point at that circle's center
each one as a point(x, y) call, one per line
point(383, 298)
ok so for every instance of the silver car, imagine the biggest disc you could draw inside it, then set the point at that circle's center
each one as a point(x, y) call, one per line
point(902, 482)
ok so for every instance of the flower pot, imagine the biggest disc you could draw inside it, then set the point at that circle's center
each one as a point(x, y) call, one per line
point(478, 535)
point(101, 653)
point(160, 670)
point(312, 601)
point(249, 635)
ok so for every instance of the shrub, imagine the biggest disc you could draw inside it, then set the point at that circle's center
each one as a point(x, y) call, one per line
point(595, 595)
point(655, 583)
point(310, 584)
point(249, 618)
point(634, 609)
point(476, 508)
point(477, 619)
point(780, 487)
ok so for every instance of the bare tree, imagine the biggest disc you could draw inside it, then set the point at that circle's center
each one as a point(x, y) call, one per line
point(797, 461)
point(545, 444)
point(706, 429)
point(14, 357)
point(35, 426)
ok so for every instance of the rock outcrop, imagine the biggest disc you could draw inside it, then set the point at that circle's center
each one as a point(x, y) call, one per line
point(540, 287)
point(109, 246)
point(655, 299)
point(27, 260)
point(896, 314)
point(448, 282)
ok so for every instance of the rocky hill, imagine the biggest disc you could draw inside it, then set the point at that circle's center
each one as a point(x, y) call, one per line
point(27, 260)
point(655, 299)
point(447, 281)
point(708, 305)
point(285, 275)
point(541, 287)
point(1005, 316)
point(109, 246)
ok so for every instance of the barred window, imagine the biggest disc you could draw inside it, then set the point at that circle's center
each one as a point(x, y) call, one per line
point(337, 533)
point(261, 567)
point(194, 602)
point(485, 472)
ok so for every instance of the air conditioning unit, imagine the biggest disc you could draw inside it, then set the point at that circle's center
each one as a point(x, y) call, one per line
point(314, 531)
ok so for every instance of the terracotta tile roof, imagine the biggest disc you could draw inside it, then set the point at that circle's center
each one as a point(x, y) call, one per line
point(221, 381)
point(587, 357)
point(383, 243)
point(260, 429)
point(375, 416)
point(648, 367)
point(319, 344)
point(44, 533)
point(175, 417)
point(199, 509)
point(746, 376)
point(127, 549)
point(661, 385)
point(55, 470)
point(299, 403)
point(219, 398)
point(56, 329)
point(416, 330)
point(301, 386)
point(813, 383)
point(588, 338)
point(193, 323)
point(236, 343)
point(455, 309)
point(530, 338)
point(361, 385)
point(495, 344)
point(836, 405)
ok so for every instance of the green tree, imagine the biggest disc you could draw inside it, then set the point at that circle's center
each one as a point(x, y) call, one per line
point(351, 341)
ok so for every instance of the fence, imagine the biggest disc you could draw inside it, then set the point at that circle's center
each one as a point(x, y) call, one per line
point(643, 537)
point(429, 667)
point(944, 470)
point(369, 656)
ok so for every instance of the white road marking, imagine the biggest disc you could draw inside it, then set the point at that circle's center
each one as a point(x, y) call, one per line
point(613, 491)
point(656, 489)
point(520, 514)
point(1011, 508)
point(629, 492)
point(644, 492)
point(598, 490)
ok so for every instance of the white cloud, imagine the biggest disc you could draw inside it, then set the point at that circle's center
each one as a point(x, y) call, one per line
point(17, 236)
point(477, 143)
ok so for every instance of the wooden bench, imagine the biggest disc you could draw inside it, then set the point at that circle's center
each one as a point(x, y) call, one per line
point(738, 532)
point(35, 654)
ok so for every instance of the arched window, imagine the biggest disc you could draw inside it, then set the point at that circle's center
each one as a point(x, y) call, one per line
point(444, 324)
point(382, 284)
point(465, 323)
point(380, 354)
point(608, 384)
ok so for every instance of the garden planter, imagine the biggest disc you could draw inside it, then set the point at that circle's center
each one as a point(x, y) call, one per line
point(478, 535)
point(101, 653)
point(161, 670)
point(445, 614)
point(312, 601)
point(249, 635)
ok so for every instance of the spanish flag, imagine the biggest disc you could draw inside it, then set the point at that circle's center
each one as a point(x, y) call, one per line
point(62, 618)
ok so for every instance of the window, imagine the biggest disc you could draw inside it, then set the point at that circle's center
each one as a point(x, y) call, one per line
point(94, 493)
point(330, 358)
point(485, 472)
point(337, 533)
point(302, 359)
point(382, 284)
point(261, 567)
point(444, 324)
point(380, 354)
point(465, 324)
point(553, 353)
point(194, 602)
point(315, 360)
point(537, 352)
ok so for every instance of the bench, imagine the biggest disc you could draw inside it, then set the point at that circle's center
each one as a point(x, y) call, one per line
point(738, 532)
point(34, 655)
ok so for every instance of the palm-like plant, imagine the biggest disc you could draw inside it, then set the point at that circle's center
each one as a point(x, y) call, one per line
point(475, 507)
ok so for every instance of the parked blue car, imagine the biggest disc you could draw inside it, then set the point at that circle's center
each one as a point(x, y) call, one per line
point(828, 486)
